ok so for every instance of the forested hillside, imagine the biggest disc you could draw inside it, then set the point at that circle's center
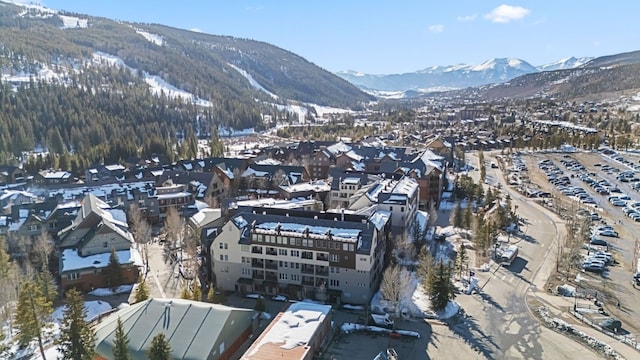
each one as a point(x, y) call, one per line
point(90, 110)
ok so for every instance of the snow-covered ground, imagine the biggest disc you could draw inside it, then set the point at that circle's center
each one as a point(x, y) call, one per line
point(51, 332)
point(122, 289)
point(72, 22)
point(414, 303)
point(252, 81)
point(152, 38)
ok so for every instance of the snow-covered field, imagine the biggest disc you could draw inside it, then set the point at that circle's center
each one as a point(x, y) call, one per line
point(52, 331)
point(122, 289)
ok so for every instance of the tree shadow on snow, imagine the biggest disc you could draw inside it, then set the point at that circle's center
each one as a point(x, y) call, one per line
point(489, 300)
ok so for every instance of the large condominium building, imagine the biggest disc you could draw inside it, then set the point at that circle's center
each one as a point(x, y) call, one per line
point(303, 254)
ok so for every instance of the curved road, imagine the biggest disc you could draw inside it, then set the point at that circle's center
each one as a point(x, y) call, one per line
point(497, 323)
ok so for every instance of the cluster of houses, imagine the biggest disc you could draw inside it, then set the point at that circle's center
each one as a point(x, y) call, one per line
point(306, 219)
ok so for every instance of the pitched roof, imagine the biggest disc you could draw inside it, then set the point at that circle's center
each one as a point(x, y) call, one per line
point(194, 329)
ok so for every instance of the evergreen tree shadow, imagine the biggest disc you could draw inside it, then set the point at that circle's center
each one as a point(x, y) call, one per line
point(489, 300)
point(467, 328)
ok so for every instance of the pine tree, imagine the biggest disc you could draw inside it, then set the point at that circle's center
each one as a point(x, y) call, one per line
point(77, 340)
point(442, 289)
point(185, 293)
point(114, 269)
point(462, 260)
point(142, 292)
point(197, 292)
point(457, 216)
point(160, 348)
point(32, 313)
point(47, 285)
point(466, 217)
point(121, 344)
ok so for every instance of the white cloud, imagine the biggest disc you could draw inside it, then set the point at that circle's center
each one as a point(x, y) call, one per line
point(438, 28)
point(467, 17)
point(505, 13)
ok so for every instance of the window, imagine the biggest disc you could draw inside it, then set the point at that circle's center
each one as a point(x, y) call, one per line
point(334, 282)
point(245, 248)
point(246, 272)
point(226, 258)
point(33, 227)
point(295, 253)
point(307, 255)
point(345, 247)
point(283, 276)
point(282, 252)
point(334, 258)
point(363, 259)
point(105, 245)
point(221, 246)
point(401, 208)
point(73, 276)
point(351, 247)
point(221, 257)
point(226, 246)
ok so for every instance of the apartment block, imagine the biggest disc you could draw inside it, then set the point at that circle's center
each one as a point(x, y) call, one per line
point(336, 258)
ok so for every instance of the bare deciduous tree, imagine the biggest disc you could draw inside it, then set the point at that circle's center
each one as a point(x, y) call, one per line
point(395, 283)
point(41, 251)
point(141, 231)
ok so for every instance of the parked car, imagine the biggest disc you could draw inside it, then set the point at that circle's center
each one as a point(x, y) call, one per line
point(596, 241)
point(609, 233)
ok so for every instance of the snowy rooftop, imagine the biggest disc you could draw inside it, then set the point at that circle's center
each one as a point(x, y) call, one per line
point(380, 218)
point(407, 186)
point(101, 191)
point(336, 233)
point(291, 330)
point(316, 187)
point(277, 203)
point(351, 180)
point(71, 260)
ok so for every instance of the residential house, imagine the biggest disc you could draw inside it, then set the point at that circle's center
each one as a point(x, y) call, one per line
point(105, 172)
point(194, 329)
point(86, 244)
point(305, 254)
point(11, 175)
point(300, 332)
point(52, 177)
point(172, 196)
point(398, 197)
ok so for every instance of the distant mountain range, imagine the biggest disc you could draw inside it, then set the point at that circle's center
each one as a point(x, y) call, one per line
point(438, 78)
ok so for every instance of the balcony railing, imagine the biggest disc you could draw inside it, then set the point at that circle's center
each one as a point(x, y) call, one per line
point(307, 270)
point(256, 251)
point(257, 275)
point(322, 272)
point(271, 276)
point(271, 252)
point(257, 264)
point(322, 257)
point(306, 280)
point(271, 265)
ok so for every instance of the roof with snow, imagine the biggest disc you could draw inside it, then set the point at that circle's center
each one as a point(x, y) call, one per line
point(194, 329)
point(72, 261)
point(351, 228)
point(289, 334)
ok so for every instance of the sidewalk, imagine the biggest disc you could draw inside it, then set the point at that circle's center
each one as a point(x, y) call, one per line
point(559, 307)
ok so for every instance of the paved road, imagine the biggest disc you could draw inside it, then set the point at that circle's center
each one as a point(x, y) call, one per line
point(497, 323)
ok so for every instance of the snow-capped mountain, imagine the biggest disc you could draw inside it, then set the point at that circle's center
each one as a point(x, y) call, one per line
point(458, 76)
point(438, 77)
point(567, 63)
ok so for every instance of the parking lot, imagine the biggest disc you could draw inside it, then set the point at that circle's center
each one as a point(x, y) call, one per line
point(602, 188)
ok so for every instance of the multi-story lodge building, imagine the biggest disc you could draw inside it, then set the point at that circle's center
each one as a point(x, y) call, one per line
point(303, 254)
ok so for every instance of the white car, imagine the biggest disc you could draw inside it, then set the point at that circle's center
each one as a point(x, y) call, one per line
point(610, 233)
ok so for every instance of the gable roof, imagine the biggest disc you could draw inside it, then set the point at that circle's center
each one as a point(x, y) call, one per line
point(194, 329)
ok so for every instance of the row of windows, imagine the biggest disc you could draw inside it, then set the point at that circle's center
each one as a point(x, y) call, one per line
point(295, 241)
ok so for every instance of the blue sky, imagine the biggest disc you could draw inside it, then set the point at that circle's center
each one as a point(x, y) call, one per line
point(384, 37)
